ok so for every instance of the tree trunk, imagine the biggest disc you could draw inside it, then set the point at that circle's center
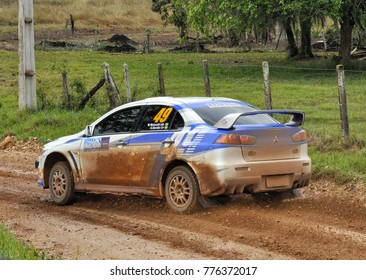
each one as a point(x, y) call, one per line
point(292, 47)
point(346, 38)
point(305, 26)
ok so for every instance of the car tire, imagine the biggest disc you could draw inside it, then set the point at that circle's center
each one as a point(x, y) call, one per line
point(182, 190)
point(61, 183)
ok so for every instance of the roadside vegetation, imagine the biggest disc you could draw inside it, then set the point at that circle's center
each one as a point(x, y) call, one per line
point(13, 249)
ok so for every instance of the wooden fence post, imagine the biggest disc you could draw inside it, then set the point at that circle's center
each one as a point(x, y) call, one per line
point(112, 90)
point(127, 82)
point(161, 80)
point(343, 102)
point(147, 43)
point(206, 78)
point(72, 20)
point(267, 86)
point(66, 89)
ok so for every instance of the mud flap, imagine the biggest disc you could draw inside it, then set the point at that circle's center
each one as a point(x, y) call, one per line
point(207, 202)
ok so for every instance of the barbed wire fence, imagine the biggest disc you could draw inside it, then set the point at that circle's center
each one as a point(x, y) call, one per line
point(252, 87)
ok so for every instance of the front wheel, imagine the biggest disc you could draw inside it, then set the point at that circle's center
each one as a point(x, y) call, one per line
point(181, 190)
point(61, 183)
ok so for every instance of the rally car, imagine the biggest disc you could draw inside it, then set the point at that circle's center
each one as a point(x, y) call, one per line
point(184, 149)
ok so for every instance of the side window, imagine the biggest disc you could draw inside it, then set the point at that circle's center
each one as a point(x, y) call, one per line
point(159, 117)
point(122, 121)
point(178, 122)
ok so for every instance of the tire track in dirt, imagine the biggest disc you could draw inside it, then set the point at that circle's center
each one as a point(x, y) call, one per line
point(270, 231)
point(49, 228)
point(206, 244)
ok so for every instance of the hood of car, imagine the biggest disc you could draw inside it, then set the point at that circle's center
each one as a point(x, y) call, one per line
point(64, 140)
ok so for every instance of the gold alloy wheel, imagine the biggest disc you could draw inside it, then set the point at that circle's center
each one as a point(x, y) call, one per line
point(179, 190)
point(59, 183)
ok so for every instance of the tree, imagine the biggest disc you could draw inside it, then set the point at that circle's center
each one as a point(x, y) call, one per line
point(305, 11)
point(292, 47)
point(172, 11)
point(305, 26)
point(233, 18)
point(350, 13)
point(239, 16)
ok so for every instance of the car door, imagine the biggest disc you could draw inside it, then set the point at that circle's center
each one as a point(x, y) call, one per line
point(104, 156)
point(148, 146)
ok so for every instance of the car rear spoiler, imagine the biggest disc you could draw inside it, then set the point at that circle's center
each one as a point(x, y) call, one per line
point(228, 121)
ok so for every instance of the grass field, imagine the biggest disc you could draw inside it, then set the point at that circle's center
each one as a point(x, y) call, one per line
point(13, 249)
point(309, 85)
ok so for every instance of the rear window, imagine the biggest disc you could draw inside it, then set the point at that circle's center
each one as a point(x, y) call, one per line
point(212, 115)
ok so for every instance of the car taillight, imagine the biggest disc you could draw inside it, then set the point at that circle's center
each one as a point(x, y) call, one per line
point(235, 139)
point(299, 137)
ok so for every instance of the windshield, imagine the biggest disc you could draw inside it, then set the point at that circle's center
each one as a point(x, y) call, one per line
point(211, 115)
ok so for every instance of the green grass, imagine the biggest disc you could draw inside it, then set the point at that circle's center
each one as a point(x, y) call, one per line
point(11, 248)
point(308, 85)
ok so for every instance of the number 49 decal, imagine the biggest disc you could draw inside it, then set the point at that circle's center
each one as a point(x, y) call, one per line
point(163, 115)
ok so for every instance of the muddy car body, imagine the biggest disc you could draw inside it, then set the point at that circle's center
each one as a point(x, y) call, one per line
point(183, 149)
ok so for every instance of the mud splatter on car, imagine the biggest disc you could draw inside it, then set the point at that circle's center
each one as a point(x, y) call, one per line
point(182, 149)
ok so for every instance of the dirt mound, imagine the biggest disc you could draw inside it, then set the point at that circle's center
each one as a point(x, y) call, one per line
point(59, 44)
point(7, 143)
point(10, 142)
point(121, 40)
point(120, 43)
point(116, 43)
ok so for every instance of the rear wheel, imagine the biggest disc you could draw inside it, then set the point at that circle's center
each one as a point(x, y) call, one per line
point(181, 190)
point(61, 183)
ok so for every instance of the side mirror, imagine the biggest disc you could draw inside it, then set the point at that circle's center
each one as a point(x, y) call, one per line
point(89, 131)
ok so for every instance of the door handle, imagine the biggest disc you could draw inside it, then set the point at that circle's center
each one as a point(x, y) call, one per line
point(168, 141)
point(122, 143)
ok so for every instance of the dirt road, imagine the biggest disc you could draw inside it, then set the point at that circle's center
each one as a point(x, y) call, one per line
point(327, 222)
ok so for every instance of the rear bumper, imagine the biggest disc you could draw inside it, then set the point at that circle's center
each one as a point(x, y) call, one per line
point(254, 177)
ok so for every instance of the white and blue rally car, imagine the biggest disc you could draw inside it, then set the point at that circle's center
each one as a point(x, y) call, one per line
point(183, 149)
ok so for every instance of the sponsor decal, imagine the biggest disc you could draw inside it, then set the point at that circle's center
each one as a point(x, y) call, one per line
point(193, 139)
point(158, 126)
point(224, 104)
point(96, 144)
